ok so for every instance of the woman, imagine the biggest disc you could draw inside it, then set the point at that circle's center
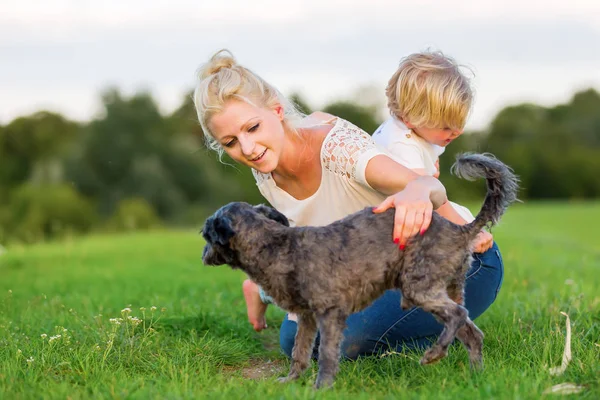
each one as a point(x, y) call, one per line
point(316, 170)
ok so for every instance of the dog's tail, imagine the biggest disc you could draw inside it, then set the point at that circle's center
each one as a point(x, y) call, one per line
point(502, 186)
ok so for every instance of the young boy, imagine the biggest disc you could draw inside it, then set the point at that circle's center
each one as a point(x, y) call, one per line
point(429, 99)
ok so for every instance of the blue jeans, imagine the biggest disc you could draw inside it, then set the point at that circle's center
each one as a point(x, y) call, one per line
point(385, 326)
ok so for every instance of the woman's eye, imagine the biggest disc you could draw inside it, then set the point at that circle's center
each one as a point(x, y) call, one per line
point(253, 128)
point(230, 143)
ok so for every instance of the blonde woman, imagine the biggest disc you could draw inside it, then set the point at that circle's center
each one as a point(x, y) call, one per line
point(316, 169)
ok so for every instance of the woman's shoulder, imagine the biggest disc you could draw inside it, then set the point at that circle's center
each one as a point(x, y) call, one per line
point(347, 148)
point(319, 117)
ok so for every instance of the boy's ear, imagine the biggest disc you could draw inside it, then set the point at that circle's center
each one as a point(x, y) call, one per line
point(408, 124)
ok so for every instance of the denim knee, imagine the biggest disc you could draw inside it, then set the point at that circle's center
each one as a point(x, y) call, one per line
point(356, 344)
point(287, 336)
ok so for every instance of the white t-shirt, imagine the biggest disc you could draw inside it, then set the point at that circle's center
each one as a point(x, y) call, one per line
point(412, 151)
point(344, 190)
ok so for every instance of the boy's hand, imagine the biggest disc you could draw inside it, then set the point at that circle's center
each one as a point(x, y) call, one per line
point(483, 242)
point(436, 174)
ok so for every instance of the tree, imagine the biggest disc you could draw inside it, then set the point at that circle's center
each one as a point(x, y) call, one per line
point(361, 116)
point(129, 152)
point(30, 147)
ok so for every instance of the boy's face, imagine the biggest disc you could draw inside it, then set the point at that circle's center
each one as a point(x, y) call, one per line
point(439, 136)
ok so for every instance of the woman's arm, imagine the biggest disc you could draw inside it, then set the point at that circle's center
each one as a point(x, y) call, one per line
point(413, 196)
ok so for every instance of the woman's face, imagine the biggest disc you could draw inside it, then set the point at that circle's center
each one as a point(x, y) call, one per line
point(250, 135)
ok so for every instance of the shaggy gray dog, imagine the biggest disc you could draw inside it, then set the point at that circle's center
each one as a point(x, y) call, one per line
point(324, 274)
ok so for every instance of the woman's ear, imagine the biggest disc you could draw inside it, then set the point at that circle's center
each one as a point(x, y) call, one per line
point(278, 108)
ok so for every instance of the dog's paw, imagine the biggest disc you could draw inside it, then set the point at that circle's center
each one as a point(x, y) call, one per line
point(323, 383)
point(476, 362)
point(433, 355)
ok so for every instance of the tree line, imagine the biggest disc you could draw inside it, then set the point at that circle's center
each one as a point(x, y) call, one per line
point(133, 167)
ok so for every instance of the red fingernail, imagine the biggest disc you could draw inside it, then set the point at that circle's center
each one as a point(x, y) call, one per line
point(402, 246)
point(396, 241)
point(422, 232)
point(374, 208)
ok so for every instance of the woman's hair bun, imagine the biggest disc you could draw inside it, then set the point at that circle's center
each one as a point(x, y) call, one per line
point(220, 60)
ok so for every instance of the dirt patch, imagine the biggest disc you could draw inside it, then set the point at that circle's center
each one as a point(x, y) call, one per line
point(261, 369)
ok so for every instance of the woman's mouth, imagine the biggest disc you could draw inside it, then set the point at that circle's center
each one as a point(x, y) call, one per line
point(259, 157)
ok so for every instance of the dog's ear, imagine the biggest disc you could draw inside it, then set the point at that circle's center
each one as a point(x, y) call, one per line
point(218, 230)
point(273, 214)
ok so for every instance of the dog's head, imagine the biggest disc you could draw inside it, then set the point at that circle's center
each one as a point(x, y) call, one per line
point(220, 230)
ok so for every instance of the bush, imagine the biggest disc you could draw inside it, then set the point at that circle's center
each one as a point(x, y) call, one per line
point(133, 214)
point(47, 211)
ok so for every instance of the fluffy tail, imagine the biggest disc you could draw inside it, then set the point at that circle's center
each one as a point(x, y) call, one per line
point(502, 186)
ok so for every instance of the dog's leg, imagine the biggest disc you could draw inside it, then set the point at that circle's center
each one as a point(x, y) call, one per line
point(472, 338)
point(331, 328)
point(303, 346)
point(447, 312)
point(469, 334)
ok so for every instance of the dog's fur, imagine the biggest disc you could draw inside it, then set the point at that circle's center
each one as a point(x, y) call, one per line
point(324, 274)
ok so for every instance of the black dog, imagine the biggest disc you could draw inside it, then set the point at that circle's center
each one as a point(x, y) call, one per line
point(324, 274)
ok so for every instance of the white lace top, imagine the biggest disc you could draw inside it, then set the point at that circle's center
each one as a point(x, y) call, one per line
point(344, 190)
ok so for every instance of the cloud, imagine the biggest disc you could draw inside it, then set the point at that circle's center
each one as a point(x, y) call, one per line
point(60, 53)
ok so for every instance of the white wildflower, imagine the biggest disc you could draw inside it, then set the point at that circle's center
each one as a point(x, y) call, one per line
point(43, 336)
point(153, 308)
point(126, 310)
point(142, 309)
point(53, 338)
point(19, 352)
point(30, 360)
point(115, 321)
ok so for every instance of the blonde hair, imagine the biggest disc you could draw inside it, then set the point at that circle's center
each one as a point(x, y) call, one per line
point(222, 79)
point(430, 90)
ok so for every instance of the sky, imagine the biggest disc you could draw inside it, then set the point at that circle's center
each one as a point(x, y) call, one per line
point(59, 55)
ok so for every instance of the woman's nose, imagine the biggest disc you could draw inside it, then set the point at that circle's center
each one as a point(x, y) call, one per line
point(247, 145)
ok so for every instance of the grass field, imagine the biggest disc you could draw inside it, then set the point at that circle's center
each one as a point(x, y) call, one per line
point(186, 335)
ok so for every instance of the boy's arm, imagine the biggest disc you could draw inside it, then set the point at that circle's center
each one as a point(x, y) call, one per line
point(446, 210)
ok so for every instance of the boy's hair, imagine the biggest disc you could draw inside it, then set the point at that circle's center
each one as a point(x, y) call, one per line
point(430, 90)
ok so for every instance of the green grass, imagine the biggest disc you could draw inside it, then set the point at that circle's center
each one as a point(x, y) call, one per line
point(200, 345)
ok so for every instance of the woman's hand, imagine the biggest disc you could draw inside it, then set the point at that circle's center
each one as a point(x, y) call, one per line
point(413, 212)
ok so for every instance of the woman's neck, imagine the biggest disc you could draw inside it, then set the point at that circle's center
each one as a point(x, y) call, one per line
point(300, 150)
